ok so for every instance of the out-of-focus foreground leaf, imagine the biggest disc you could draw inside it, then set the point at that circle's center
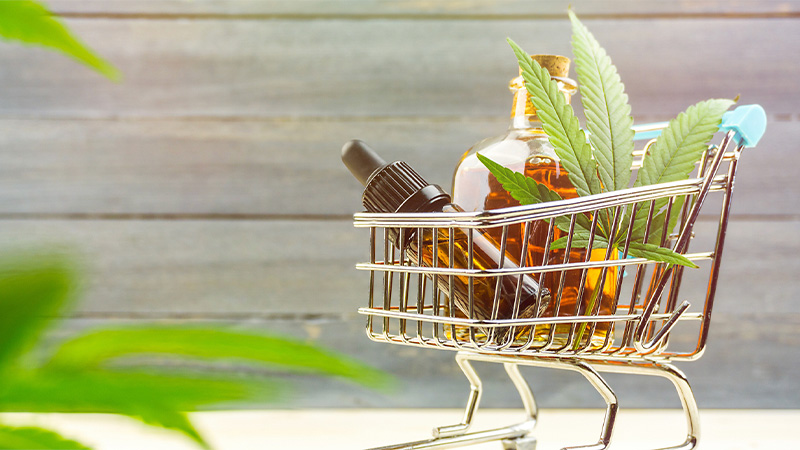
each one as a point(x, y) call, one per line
point(98, 347)
point(34, 438)
point(151, 373)
point(33, 290)
point(157, 398)
point(30, 22)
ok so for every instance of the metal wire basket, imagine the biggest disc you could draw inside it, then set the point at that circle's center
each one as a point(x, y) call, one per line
point(606, 311)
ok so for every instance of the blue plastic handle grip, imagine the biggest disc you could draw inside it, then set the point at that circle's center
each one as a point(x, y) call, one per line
point(747, 121)
point(650, 134)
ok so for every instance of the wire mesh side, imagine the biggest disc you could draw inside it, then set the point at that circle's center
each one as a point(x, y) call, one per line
point(428, 288)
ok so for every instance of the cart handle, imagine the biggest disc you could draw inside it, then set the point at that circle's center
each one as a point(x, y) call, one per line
point(651, 304)
point(748, 122)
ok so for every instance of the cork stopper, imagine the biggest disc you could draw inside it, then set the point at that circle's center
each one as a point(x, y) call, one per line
point(557, 65)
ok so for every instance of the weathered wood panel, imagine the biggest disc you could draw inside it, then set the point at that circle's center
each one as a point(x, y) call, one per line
point(238, 269)
point(382, 67)
point(208, 268)
point(226, 134)
point(453, 8)
point(252, 168)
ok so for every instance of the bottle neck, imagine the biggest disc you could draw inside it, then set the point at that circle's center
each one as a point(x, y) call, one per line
point(523, 113)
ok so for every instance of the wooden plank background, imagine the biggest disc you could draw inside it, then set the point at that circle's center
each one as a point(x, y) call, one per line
point(207, 185)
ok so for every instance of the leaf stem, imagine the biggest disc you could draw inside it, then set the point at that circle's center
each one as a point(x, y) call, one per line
point(588, 312)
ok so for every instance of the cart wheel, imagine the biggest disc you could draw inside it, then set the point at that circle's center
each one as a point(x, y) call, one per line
point(523, 443)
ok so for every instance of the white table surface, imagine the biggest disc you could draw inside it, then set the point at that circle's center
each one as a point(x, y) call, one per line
point(358, 429)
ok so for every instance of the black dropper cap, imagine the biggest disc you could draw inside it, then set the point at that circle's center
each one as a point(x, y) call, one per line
point(394, 187)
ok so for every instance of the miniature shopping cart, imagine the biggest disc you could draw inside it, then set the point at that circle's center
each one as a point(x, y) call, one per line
point(648, 322)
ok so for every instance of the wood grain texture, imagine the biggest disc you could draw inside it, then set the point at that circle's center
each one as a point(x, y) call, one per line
point(251, 168)
point(223, 268)
point(383, 67)
point(207, 186)
point(207, 268)
point(454, 8)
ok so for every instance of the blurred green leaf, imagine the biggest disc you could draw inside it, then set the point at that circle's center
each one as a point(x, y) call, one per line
point(33, 289)
point(153, 373)
point(128, 391)
point(158, 399)
point(30, 22)
point(35, 438)
point(99, 347)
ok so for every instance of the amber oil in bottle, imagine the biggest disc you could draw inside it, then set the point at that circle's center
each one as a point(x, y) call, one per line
point(525, 148)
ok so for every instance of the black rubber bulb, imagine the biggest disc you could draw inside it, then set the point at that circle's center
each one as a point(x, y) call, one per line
point(361, 160)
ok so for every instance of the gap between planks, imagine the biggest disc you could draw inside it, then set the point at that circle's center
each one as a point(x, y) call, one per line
point(422, 16)
point(782, 118)
point(257, 217)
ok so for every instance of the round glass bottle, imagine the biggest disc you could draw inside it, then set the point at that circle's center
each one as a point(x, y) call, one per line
point(525, 148)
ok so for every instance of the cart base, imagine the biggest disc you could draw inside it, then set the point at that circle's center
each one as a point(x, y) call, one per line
point(516, 437)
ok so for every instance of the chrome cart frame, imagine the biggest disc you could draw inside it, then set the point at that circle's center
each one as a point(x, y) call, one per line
point(647, 326)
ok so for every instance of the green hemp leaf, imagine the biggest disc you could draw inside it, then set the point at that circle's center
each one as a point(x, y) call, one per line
point(605, 164)
point(528, 191)
point(525, 190)
point(560, 124)
point(608, 114)
point(673, 157)
point(32, 437)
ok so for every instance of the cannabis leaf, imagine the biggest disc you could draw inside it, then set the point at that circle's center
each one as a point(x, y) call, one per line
point(608, 114)
point(30, 22)
point(96, 348)
point(657, 225)
point(681, 144)
point(676, 151)
point(528, 191)
point(48, 281)
point(610, 123)
point(26, 438)
point(150, 373)
point(609, 106)
point(580, 239)
point(656, 253)
point(560, 124)
point(605, 165)
point(523, 189)
point(158, 399)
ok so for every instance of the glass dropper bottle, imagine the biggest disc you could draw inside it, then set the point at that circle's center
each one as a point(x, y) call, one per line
point(396, 187)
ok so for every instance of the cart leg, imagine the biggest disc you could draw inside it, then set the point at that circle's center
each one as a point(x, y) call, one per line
point(531, 410)
point(678, 379)
point(475, 389)
point(524, 389)
point(688, 402)
point(456, 436)
point(611, 406)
